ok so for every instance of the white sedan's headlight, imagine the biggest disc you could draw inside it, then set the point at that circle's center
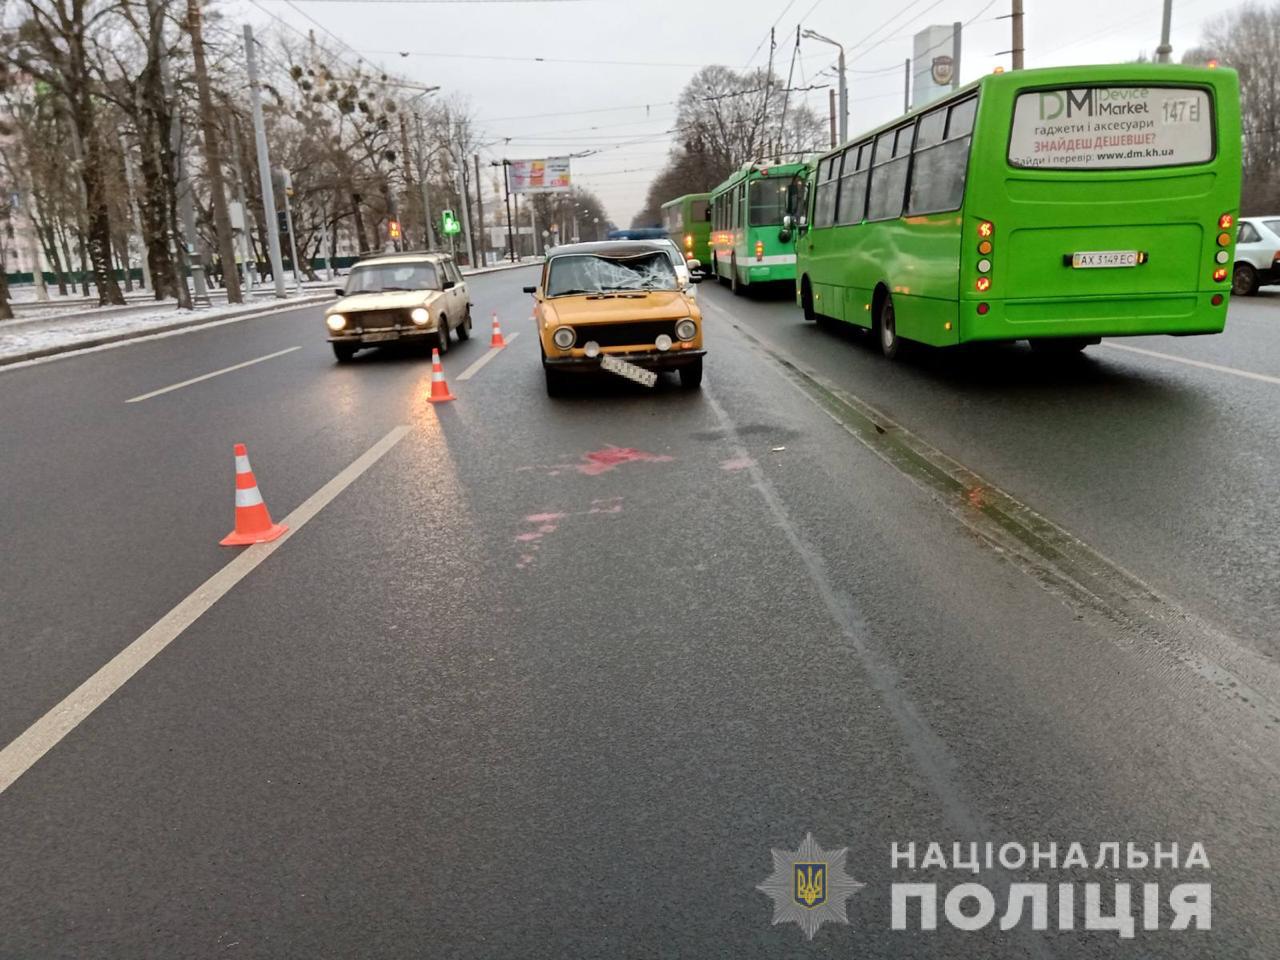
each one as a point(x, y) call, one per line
point(421, 316)
point(686, 329)
point(564, 337)
point(335, 321)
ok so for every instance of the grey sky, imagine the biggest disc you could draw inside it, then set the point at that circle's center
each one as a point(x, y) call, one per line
point(446, 42)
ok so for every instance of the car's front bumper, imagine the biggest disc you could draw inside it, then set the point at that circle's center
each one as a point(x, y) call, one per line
point(374, 337)
point(649, 359)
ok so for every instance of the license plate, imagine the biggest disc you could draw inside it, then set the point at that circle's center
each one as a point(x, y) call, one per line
point(379, 337)
point(625, 368)
point(1104, 258)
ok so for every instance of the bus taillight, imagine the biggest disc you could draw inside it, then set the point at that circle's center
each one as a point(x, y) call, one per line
point(983, 308)
point(1220, 274)
point(986, 229)
point(688, 240)
point(759, 249)
point(983, 284)
point(1225, 221)
point(984, 247)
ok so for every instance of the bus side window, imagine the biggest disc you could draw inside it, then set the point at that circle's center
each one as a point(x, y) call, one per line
point(941, 165)
point(853, 185)
point(824, 205)
point(887, 193)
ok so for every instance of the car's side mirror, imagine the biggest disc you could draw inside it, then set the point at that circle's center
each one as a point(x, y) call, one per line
point(449, 284)
point(788, 221)
point(533, 290)
point(693, 265)
point(340, 291)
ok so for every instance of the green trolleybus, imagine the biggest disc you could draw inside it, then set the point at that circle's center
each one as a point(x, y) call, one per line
point(687, 221)
point(1056, 206)
point(750, 243)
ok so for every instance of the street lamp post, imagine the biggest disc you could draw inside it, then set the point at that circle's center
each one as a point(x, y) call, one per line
point(844, 87)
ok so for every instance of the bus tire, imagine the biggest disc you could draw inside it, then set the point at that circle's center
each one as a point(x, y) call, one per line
point(1244, 280)
point(734, 284)
point(720, 277)
point(806, 301)
point(886, 329)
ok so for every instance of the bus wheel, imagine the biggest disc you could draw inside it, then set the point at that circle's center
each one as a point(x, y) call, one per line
point(887, 329)
point(1244, 281)
point(733, 276)
point(720, 277)
point(806, 301)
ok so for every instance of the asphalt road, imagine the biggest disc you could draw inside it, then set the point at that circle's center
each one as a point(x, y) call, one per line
point(544, 678)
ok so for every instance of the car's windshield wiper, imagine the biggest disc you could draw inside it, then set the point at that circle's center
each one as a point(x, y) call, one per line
point(569, 293)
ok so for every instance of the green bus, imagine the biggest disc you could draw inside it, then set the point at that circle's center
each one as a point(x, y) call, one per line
point(687, 221)
point(751, 241)
point(1056, 206)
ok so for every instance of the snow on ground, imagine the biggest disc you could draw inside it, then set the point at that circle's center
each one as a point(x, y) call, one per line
point(79, 328)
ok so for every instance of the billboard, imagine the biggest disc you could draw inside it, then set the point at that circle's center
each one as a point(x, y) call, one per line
point(539, 176)
point(932, 66)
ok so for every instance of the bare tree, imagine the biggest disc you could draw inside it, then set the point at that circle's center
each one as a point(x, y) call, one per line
point(52, 44)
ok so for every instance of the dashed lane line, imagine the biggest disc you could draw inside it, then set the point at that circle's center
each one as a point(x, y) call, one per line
point(472, 370)
point(209, 376)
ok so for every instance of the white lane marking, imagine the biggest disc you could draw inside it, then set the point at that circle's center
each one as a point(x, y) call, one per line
point(1249, 374)
point(215, 373)
point(43, 735)
point(472, 370)
point(162, 334)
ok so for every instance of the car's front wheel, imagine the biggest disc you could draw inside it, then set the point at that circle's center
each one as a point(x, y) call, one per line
point(442, 335)
point(1244, 281)
point(691, 375)
point(464, 328)
point(344, 351)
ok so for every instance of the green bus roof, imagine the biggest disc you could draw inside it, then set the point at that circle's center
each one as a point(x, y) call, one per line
point(687, 196)
point(757, 166)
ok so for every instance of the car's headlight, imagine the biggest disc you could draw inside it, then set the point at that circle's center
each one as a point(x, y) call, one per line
point(563, 337)
point(335, 321)
point(686, 329)
point(421, 316)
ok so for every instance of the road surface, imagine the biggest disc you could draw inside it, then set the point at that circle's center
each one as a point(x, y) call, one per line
point(536, 678)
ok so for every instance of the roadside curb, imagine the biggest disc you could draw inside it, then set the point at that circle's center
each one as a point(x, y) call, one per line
point(73, 346)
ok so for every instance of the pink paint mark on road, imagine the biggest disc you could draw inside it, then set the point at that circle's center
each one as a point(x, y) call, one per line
point(610, 458)
point(737, 463)
point(543, 517)
point(549, 522)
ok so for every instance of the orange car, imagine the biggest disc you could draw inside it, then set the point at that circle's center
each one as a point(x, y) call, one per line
point(616, 306)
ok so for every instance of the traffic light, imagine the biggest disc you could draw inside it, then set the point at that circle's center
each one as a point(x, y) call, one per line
point(282, 218)
point(393, 229)
point(449, 225)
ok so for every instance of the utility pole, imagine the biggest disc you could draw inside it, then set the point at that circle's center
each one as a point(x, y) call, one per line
point(831, 106)
point(246, 242)
point(213, 157)
point(189, 242)
point(906, 85)
point(427, 225)
point(133, 209)
point(483, 245)
point(1163, 51)
point(264, 165)
point(955, 54)
point(506, 185)
point(286, 189)
point(844, 86)
point(460, 168)
point(1016, 20)
point(408, 172)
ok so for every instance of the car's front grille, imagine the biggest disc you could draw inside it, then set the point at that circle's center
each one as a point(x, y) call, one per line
point(626, 334)
point(377, 319)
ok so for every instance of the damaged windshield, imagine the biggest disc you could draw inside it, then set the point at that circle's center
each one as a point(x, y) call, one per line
point(587, 273)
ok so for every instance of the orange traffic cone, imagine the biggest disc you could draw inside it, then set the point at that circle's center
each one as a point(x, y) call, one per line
point(439, 389)
point(253, 523)
point(497, 340)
